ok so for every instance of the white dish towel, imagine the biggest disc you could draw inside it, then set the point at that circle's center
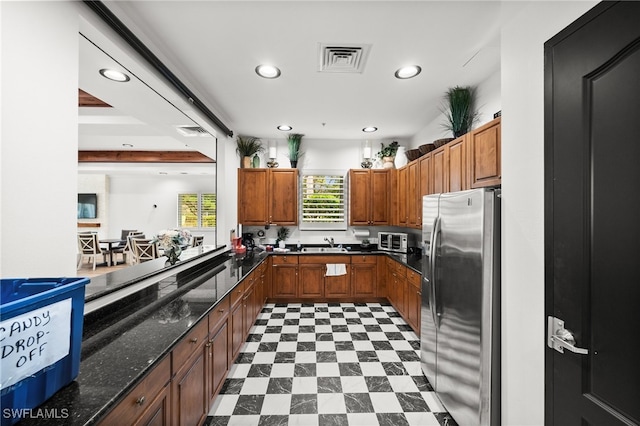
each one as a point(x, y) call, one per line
point(336, 269)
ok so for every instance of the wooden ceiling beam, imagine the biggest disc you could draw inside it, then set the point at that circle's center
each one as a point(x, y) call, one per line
point(143, 157)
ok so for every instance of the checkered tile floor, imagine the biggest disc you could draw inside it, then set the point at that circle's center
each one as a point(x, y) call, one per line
point(328, 364)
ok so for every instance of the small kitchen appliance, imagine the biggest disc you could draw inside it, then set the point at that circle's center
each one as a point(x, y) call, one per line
point(247, 240)
point(393, 241)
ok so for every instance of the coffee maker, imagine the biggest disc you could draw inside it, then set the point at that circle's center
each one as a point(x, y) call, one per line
point(247, 240)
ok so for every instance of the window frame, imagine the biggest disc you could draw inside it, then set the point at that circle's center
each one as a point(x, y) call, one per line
point(199, 210)
point(319, 226)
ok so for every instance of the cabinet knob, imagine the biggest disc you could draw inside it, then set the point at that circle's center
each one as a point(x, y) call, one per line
point(194, 340)
point(221, 311)
point(140, 400)
point(208, 344)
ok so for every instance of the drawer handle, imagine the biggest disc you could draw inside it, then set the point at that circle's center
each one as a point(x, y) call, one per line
point(140, 400)
point(194, 340)
point(208, 344)
point(221, 311)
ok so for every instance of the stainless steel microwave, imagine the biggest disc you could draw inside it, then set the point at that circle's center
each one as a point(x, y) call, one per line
point(393, 241)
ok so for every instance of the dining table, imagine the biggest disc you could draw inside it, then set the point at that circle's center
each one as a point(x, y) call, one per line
point(110, 242)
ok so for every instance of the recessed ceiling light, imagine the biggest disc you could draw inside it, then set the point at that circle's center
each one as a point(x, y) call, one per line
point(267, 71)
point(408, 72)
point(127, 145)
point(284, 127)
point(369, 129)
point(114, 75)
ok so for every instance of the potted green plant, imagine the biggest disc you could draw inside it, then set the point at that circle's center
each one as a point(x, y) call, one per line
point(247, 147)
point(283, 234)
point(293, 141)
point(458, 108)
point(388, 154)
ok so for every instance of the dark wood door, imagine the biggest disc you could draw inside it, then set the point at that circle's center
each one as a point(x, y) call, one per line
point(283, 190)
point(592, 206)
point(359, 197)
point(380, 197)
point(252, 197)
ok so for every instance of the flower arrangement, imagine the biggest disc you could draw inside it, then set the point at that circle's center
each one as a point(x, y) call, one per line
point(172, 241)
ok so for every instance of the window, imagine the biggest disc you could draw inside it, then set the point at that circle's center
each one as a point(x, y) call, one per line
point(197, 210)
point(323, 198)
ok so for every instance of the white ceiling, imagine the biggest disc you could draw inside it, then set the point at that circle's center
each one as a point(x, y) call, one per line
point(214, 47)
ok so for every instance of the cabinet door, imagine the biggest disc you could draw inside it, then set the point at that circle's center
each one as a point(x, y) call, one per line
point(457, 164)
point(413, 300)
point(311, 280)
point(159, 411)
point(484, 150)
point(414, 200)
point(380, 197)
point(218, 359)
point(338, 286)
point(253, 196)
point(283, 196)
point(248, 308)
point(440, 170)
point(190, 396)
point(284, 280)
point(363, 279)
point(425, 176)
point(359, 197)
point(401, 193)
point(237, 330)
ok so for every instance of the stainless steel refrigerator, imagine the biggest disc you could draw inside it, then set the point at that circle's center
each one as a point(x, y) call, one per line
point(460, 323)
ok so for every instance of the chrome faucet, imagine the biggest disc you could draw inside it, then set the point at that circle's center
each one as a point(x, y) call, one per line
point(329, 240)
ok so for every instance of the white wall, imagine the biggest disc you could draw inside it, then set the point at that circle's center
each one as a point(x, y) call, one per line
point(132, 199)
point(488, 102)
point(529, 25)
point(39, 117)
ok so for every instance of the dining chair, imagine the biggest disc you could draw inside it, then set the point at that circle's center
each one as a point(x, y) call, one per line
point(89, 247)
point(197, 240)
point(144, 250)
point(127, 248)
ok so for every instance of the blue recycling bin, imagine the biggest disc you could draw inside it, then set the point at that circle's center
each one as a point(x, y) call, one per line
point(40, 340)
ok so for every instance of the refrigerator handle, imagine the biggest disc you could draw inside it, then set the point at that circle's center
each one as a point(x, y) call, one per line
point(432, 269)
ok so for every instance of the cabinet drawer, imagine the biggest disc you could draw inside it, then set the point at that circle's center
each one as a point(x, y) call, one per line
point(219, 313)
point(237, 293)
point(285, 260)
point(364, 259)
point(189, 344)
point(324, 259)
point(138, 400)
point(414, 278)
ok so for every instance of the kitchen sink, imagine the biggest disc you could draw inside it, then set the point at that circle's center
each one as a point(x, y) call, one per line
point(324, 250)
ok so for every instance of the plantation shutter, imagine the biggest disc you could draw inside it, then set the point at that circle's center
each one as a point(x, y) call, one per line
point(323, 199)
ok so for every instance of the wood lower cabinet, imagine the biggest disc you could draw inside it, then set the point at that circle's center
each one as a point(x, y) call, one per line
point(311, 280)
point(485, 145)
point(284, 276)
point(189, 387)
point(364, 271)
point(396, 277)
point(219, 338)
point(147, 402)
point(413, 300)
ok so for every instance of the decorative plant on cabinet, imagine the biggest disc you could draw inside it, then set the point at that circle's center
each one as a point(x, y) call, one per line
point(247, 147)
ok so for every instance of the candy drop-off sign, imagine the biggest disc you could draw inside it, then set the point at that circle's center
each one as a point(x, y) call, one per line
point(33, 341)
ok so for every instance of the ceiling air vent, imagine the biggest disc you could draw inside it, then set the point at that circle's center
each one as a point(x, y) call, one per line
point(192, 131)
point(349, 58)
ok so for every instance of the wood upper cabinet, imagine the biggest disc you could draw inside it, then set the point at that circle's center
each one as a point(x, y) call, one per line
point(402, 195)
point(268, 196)
point(485, 155)
point(369, 197)
point(440, 170)
point(458, 165)
point(414, 199)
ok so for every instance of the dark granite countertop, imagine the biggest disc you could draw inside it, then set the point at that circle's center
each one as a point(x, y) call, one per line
point(123, 341)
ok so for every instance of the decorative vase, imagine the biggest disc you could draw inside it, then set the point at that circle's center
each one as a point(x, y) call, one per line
point(401, 158)
point(281, 244)
point(172, 254)
point(256, 161)
point(388, 162)
point(246, 162)
point(294, 163)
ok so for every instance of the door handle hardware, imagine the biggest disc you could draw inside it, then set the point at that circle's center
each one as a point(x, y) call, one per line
point(559, 338)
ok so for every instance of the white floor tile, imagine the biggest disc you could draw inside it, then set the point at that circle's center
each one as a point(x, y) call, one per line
point(287, 346)
point(402, 384)
point(280, 370)
point(327, 369)
point(305, 385)
point(385, 402)
point(279, 404)
point(370, 369)
point(224, 405)
point(305, 357)
point(244, 420)
point(255, 386)
point(347, 356)
point(362, 419)
point(303, 420)
point(421, 419)
point(354, 384)
point(331, 403)
point(325, 346)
